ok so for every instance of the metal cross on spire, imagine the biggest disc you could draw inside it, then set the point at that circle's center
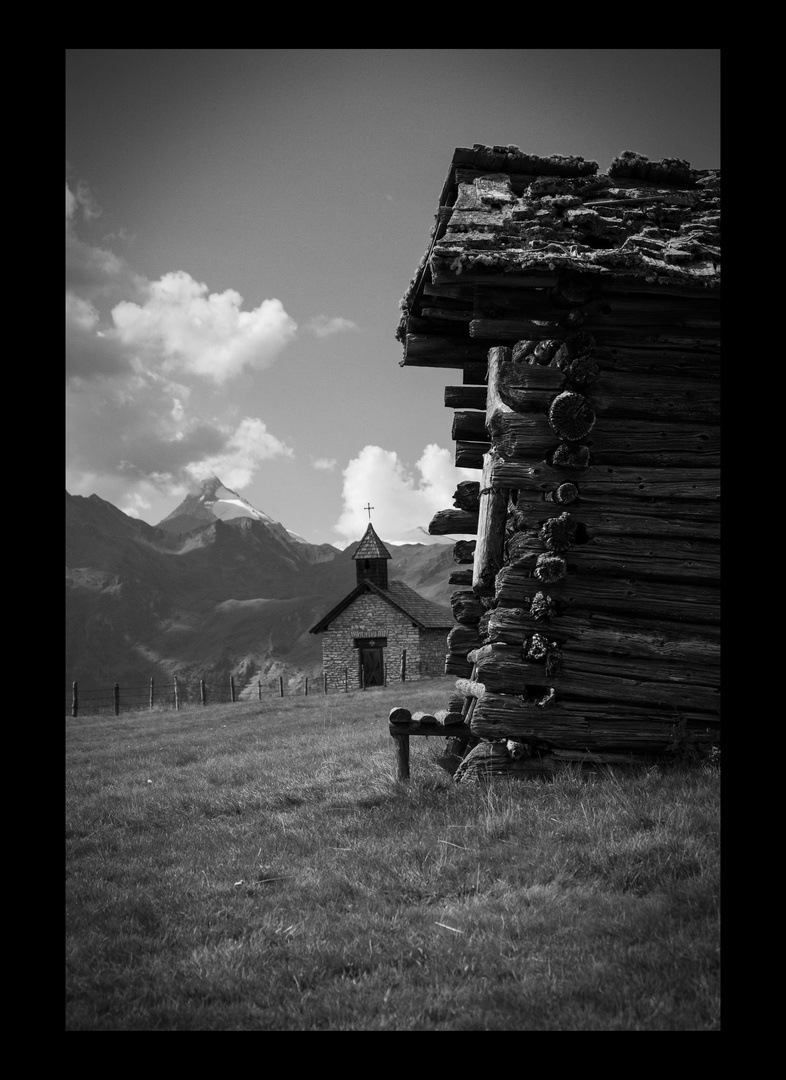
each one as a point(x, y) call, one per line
point(369, 508)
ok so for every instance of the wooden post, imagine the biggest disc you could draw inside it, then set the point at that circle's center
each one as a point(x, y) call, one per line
point(152, 693)
point(231, 688)
point(117, 699)
point(74, 699)
point(202, 692)
point(177, 696)
point(402, 756)
point(281, 686)
point(259, 689)
point(324, 682)
point(493, 501)
point(403, 665)
point(305, 690)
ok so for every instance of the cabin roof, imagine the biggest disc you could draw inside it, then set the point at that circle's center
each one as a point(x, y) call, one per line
point(516, 219)
point(424, 613)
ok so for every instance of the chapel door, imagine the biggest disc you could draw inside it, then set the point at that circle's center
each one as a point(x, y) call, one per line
point(372, 666)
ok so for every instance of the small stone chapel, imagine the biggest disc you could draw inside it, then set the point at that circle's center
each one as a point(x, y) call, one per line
point(382, 630)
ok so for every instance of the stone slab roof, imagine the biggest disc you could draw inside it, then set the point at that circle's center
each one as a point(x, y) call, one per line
point(507, 214)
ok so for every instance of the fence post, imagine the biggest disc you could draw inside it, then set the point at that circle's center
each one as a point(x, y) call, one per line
point(177, 696)
point(306, 687)
point(152, 693)
point(259, 689)
point(202, 692)
point(281, 686)
point(74, 700)
point(231, 688)
point(117, 699)
point(324, 682)
point(403, 665)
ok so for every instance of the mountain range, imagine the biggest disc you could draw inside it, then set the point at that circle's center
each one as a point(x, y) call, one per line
point(217, 588)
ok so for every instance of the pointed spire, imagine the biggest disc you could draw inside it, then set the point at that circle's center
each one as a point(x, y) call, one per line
point(371, 547)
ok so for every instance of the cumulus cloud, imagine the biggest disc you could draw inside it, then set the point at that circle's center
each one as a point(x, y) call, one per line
point(137, 352)
point(404, 500)
point(325, 464)
point(242, 454)
point(190, 330)
point(322, 326)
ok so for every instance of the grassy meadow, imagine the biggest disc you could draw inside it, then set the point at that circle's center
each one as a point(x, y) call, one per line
point(256, 867)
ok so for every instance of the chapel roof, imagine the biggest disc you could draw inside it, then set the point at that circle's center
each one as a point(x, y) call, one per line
point(422, 612)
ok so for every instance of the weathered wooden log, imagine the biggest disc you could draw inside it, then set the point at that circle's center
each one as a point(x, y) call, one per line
point(615, 442)
point(464, 551)
point(462, 639)
point(451, 290)
point(458, 665)
point(460, 577)
point(606, 551)
point(433, 316)
point(452, 522)
point(686, 650)
point(465, 397)
point(691, 492)
point(466, 606)
point(515, 379)
point(510, 626)
point(467, 495)
point(424, 718)
point(470, 688)
point(469, 455)
point(645, 359)
point(624, 522)
point(489, 553)
point(399, 715)
point(469, 426)
point(594, 726)
point(442, 352)
point(450, 718)
point(605, 333)
point(638, 599)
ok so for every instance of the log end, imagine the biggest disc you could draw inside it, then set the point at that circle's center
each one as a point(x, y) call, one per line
point(399, 715)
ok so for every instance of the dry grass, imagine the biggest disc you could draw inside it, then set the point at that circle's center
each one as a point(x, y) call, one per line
point(232, 868)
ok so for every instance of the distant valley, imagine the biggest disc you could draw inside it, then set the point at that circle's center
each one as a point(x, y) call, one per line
point(217, 588)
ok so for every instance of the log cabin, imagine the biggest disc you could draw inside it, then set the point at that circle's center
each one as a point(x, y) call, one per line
point(577, 316)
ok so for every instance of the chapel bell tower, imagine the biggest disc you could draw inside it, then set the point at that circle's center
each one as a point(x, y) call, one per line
point(371, 559)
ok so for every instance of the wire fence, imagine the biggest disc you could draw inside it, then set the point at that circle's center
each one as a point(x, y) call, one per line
point(184, 693)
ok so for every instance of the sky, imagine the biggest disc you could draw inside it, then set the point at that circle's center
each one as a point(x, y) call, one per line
point(241, 225)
